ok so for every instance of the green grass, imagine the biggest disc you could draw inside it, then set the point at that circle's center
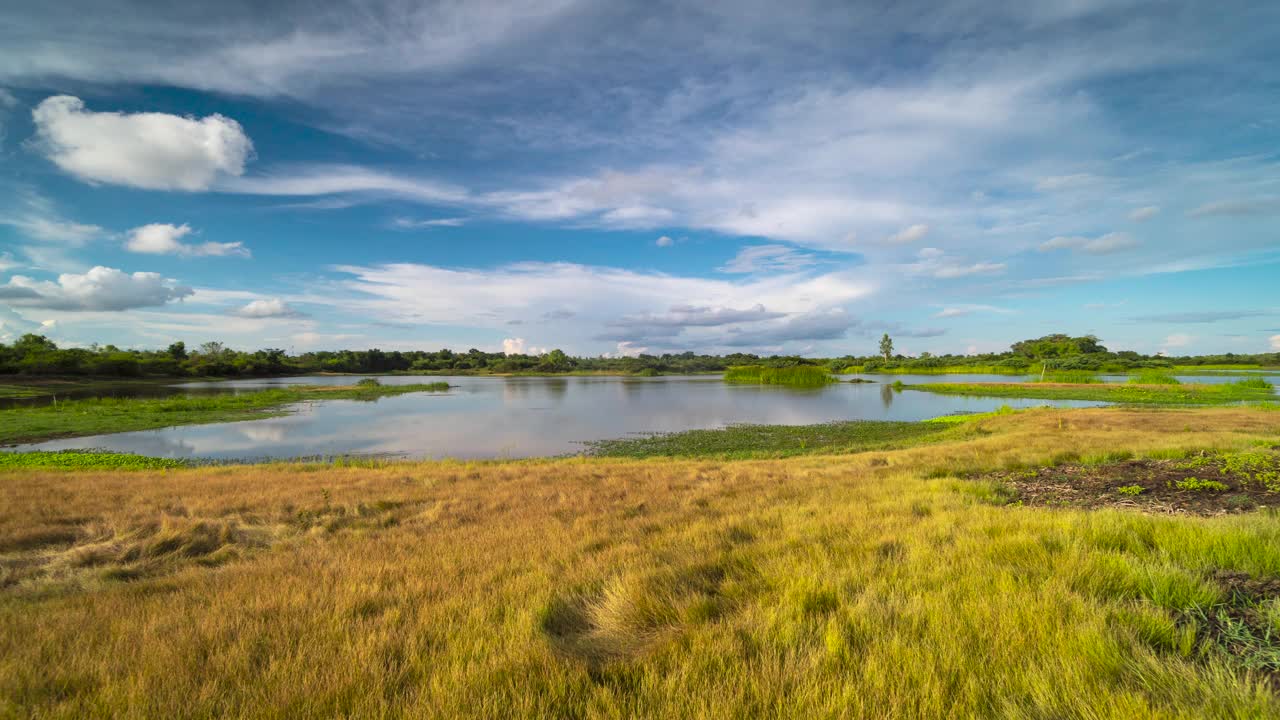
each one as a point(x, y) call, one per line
point(761, 441)
point(99, 416)
point(1073, 377)
point(1153, 377)
point(84, 460)
point(1243, 391)
point(796, 376)
point(1195, 484)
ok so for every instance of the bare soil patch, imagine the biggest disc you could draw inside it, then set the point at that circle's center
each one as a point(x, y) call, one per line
point(1206, 484)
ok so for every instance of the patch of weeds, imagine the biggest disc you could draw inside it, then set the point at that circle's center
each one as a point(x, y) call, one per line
point(1131, 490)
point(1195, 484)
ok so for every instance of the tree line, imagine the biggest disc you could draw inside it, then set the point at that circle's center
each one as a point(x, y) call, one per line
point(37, 355)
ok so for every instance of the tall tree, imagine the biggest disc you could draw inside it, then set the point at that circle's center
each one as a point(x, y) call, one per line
point(886, 346)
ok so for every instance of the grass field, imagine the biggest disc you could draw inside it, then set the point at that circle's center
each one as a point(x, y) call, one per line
point(1249, 390)
point(880, 584)
point(96, 416)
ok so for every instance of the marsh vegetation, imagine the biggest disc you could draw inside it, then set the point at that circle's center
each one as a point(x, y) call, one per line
point(896, 582)
point(96, 416)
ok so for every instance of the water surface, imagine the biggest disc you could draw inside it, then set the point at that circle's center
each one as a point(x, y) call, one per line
point(490, 417)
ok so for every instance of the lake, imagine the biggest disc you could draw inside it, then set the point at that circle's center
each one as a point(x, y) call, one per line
point(494, 417)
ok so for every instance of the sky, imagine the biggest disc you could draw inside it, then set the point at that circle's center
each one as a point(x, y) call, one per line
point(626, 177)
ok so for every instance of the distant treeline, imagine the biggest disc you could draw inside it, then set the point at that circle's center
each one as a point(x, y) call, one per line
point(37, 355)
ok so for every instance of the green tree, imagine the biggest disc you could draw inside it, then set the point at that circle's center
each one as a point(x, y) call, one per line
point(178, 351)
point(886, 346)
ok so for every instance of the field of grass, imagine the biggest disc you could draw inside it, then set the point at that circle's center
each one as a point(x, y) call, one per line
point(1249, 390)
point(97, 416)
point(796, 376)
point(760, 441)
point(873, 585)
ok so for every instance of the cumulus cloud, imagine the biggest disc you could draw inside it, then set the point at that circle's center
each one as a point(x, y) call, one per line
point(909, 234)
point(269, 308)
point(517, 346)
point(767, 258)
point(1143, 214)
point(155, 151)
point(664, 241)
point(831, 324)
point(99, 289)
point(682, 317)
point(165, 239)
point(1101, 245)
point(1176, 340)
point(1275, 342)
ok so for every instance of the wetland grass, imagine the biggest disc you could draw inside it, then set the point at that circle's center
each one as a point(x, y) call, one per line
point(875, 585)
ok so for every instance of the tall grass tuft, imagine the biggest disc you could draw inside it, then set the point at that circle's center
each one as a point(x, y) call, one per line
point(797, 376)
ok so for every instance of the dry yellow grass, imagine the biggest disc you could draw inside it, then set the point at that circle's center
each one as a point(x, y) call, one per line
point(855, 586)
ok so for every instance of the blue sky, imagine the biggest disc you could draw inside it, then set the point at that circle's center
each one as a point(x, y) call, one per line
point(626, 177)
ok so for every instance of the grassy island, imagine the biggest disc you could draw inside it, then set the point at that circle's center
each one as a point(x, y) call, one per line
point(96, 416)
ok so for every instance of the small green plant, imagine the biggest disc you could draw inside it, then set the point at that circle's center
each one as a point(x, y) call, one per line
point(1195, 484)
point(369, 383)
point(1131, 490)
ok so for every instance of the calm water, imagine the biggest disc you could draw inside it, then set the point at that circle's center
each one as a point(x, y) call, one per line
point(520, 417)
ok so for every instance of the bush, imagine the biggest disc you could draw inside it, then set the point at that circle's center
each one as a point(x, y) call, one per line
point(369, 383)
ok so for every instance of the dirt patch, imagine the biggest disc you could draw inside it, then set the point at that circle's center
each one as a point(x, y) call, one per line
point(1206, 484)
point(1237, 628)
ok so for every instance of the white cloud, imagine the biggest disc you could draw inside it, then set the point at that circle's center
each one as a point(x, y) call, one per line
point(1249, 206)
point(630, 349)
point(269, 308)
point(664, 241)
point(312, 180)
point(767, 258)
point(155, 151)
point(963, 310)
point(411, 224)
point(1067, 182)
point(165, 239)
point(909, 234)
point(934, 262)
point(1275, 342)
point(1143, 214)
point(1177, 340)
point(7, 262)
point(516, 346)
point(1102, 245)
point(99, 289)
point(36, 217)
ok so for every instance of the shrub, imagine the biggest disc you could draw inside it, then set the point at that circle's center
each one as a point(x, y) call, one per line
point(1131, 490)
point(369, 383)
point(1195, 484)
